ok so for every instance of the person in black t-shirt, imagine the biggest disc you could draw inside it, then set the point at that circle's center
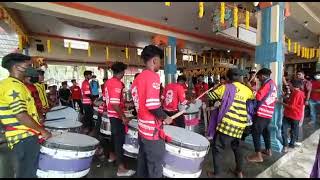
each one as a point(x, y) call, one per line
point(65, 95)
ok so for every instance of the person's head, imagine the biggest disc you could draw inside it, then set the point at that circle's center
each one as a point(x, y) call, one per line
point(223, 80)
point(31, 75)
point(152, 56)
point(234, 74)
point(135, 76)
point(118, 69)
point(297, 83)
point(200, 78)
point(87, 75)
point(64, 84)
point(263, 74)
point(317, 76)
point(41, 75)
point(245, 80)
point(181, 79)
point(16, 64)
point(94, 77)
point(300, 75)
point(74, 82)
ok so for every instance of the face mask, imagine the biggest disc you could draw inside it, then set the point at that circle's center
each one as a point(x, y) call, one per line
point(317, 77)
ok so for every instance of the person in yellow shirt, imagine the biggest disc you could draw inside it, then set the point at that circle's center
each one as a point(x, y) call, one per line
point(229, 131)
point(19, 117)
point(42, 91)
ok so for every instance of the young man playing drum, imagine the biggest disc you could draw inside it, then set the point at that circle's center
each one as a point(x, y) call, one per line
point(115, 108)
point(19, 117)
point(86, 101)
point(145, 92)
point(174, 94)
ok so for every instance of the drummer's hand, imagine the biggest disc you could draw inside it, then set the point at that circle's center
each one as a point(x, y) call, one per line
point(46, 134)
point(168, 120)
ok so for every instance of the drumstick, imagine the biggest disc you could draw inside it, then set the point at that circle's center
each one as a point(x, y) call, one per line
point(253, 77)
point(183, 111)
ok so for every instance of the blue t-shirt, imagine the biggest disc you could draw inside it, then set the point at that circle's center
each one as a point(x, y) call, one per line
point(94, 85)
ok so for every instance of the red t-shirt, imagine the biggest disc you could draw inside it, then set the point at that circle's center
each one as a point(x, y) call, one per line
point(173, 94)
point(35, 94)
point(75, 92)
point(145, 92)
point(86, 92)
point(266, 109)
point(201, 88)
point(113, 93)
point(315, 95)
point(296, 105)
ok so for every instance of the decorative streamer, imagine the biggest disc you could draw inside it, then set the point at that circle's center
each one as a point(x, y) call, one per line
point(197, 58)
point(107, 53)
point(222, 12)
point(295, 48)
point(318, 53)
point(89, 50)
point(235, 17)
point(49, 45)
point(204, 60)
point(20, 42)
point(69, 47)
point(247, 19)
point(289, 45)
point(299, 52)
point(201, 9)
point(302, 52)
point(167, 3)
point(127, 53)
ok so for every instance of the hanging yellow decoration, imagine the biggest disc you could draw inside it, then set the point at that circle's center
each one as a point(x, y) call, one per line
point(247, 19)
point(204, 60)
point(127, 53)
point(201, 9)
point(167, 3)
point(69, 47)
point(107, 54)
point(197, 58)
point(295, 47)
point(20, 42)
point(222, 12)
point(289, 45)
point(307, 53)
point(235, 17)
point(89, 50)
point(302, 52)
point(298, 53)
point(49, 45)
point(318, 53)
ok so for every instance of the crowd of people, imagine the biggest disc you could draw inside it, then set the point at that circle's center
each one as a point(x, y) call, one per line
point(24, 102)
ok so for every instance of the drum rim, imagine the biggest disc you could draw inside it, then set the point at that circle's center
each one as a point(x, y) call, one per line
point(53, 145)
point(61, 174)
point(192, 113)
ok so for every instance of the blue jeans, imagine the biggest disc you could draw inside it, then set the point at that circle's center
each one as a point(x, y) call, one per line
point(313, 110)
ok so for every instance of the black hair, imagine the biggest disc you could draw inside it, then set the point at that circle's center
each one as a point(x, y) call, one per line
point(201, 75)
point(73, 80)
point(300, 71)
point(150, 52)
point(64, 83)
point(87, 73)
point(13, 58)
point(135, 76)
point(41, 73)
point(232, 75)
point(296, 83)
point(222, 77)
point(104, 79)
point(118, 67)
point(94, 76)
point(182, 78)
point(265, 72)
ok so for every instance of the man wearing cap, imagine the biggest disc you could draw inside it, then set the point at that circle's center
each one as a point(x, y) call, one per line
point(18, 115)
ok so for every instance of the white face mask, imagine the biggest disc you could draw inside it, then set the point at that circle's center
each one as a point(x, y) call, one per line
point(317, 77)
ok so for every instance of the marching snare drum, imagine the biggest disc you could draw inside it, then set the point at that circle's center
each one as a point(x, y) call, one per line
point(105, 127)
point(192, 116)
point(185, 153)
point(131, 145)
point(63, 126)
point(61, 113)
point(67, 155)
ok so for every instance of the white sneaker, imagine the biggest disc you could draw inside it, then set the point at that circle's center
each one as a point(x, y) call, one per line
point(298, 143)
point(127, 173)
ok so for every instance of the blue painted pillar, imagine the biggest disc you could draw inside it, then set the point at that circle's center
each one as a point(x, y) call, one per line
point(170, 68)
point(270, 54)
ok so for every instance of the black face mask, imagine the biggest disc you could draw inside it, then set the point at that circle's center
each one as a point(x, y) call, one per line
point(34, 79)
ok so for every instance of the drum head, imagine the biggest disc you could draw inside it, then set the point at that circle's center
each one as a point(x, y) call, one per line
point(62, 124)
point(193, 108)
point(62, 112)
point(184, 138)
point(133, 124)
point(72, 141)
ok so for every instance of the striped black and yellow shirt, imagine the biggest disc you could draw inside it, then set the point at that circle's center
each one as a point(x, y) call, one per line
point(42, 94)
point(15, 98)
point(235, 120)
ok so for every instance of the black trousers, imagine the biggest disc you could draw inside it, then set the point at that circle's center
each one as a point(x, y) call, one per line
point(294, 133)
point(26, 154)
point(260, 127)
point(179, 121)
point(220, 143)
point(79, 102)
point(117, 130)
point(88, 116)
point(150, 158)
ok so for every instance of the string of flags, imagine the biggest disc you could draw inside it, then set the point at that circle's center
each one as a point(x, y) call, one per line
point(300, 51)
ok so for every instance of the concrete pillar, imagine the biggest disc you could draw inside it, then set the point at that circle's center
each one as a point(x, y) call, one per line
point(170, 69)
point(270, 54)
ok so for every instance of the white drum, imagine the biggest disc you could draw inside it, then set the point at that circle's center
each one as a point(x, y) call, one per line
point(67, 155)
point(62, 113)
point(105, 127)
point(95, 113)
point(185, 153)
point(63, 126)
point(131, 145)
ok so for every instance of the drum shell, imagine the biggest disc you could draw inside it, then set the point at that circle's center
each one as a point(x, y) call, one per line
point(131, 145)
point(105, 127)
point(191, 126)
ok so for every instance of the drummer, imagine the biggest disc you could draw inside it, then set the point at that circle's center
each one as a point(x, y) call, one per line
point(174, 94)
point(19, 116)
point(115, 109)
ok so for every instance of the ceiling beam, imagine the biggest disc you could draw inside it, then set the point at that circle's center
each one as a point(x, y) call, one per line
point(13, 20)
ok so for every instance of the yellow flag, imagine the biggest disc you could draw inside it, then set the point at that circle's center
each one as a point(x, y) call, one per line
point(107, 53)
point(222, 12)
point(201, 9)
point(69, 47)
point(89, 50)
point(299, 52)
point(247, 19)
point(289, 45)
point(49, 45)
point(235, 17)
point(167, 3)
point(295, 47)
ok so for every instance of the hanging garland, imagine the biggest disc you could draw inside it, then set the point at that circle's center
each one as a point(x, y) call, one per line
point(304, 52)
